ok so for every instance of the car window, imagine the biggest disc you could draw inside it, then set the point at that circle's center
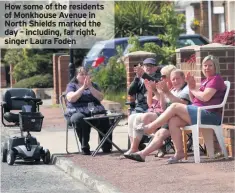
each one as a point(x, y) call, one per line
point(191, 41)
point(95, 51)
point(108, 52)
point(185, 42)
point(199, 41)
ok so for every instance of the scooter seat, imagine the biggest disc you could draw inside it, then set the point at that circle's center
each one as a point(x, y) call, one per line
point(11, 117)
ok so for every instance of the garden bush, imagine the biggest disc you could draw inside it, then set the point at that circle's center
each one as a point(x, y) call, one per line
point(38, 81)
point(226, 38)
point(111, 77)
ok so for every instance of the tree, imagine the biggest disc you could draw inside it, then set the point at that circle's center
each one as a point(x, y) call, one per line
point(172, 24)
point(135, 18)
point(29, 62)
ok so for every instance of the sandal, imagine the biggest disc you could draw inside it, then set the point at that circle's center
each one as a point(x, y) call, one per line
point(127, 155)
point(136, 157)
point(174, 160)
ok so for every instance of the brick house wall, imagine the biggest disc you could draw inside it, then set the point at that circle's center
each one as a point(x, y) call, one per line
point(201, 14)
point(226, 56)
point(56, 77)
point(12, 80)
point(3, 77)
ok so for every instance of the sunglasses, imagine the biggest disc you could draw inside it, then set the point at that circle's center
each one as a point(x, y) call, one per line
point(163, 76)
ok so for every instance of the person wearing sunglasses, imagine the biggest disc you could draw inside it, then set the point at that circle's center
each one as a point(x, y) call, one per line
point(153, 104)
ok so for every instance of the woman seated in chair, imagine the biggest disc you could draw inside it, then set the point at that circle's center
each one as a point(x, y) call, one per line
point(81, 91)
point(211, 92)
point(178, 93)
point(153, 104)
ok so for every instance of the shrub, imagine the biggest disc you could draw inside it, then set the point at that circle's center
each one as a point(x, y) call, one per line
point(226, 38)
point(38, 81)
point(112, 77)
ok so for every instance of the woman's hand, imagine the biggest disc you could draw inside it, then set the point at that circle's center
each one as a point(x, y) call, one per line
point(162, 86)
point(87, 82)
point(191, 81)
point(149, 85)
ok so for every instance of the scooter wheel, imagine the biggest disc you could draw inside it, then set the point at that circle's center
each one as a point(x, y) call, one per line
point(4, 155)
point(11, 157)
point(47, 157)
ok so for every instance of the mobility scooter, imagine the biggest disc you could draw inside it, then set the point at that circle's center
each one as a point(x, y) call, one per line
point(28, 119)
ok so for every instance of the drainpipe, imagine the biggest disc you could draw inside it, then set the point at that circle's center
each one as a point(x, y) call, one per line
point(225, 23)
point(209, 20)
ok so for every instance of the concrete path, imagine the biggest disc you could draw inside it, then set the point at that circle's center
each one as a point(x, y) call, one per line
point(108, 173)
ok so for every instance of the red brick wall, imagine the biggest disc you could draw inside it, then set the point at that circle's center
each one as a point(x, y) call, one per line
point(60, 75)
point(63, 73)
point(12, 80)
point(204, 18)
point(201, 14)
point(3, 77)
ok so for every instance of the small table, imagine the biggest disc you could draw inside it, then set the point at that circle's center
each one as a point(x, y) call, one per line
point(115, 117)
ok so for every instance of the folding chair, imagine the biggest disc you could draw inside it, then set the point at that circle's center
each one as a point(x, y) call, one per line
point(207, 131)
point(69, 125)
point(148, 138)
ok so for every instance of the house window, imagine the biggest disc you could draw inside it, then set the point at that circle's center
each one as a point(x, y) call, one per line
point(221, 23)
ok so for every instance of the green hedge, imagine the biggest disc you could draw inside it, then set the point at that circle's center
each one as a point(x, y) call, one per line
point(112, 77)
point(38, 81)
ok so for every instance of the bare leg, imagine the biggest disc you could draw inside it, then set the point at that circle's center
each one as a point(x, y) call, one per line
point(175, 124)
point(144, 118)
point(156, 143)
point(176, 109)
point(131, 126)
point(147, 118)
point(132, 121)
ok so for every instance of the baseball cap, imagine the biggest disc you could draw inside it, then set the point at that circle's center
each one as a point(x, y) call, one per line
point(150, 61)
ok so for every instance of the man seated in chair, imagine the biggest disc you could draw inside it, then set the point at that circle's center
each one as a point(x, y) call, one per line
point(150, 71)
point(81, 91)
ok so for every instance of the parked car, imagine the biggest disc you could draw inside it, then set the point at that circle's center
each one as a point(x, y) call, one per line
point(103, 50)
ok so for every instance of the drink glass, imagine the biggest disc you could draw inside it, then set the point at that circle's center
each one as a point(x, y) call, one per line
point(91, 107)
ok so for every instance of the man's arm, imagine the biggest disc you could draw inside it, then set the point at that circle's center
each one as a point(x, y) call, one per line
point(133, 88)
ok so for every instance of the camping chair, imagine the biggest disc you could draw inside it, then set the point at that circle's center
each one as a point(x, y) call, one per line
point(10, 106)
point(68, 123)
point(207, 131)
point(148, 138)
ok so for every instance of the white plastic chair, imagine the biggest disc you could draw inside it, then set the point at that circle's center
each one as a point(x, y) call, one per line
point(207, 131)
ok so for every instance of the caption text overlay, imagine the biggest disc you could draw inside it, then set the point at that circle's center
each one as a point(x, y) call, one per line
point(41, 24)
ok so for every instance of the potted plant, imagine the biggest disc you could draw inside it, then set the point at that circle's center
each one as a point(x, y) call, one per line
point(195, 24)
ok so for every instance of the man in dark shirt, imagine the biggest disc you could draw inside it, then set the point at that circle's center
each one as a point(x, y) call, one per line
point(151, 71)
